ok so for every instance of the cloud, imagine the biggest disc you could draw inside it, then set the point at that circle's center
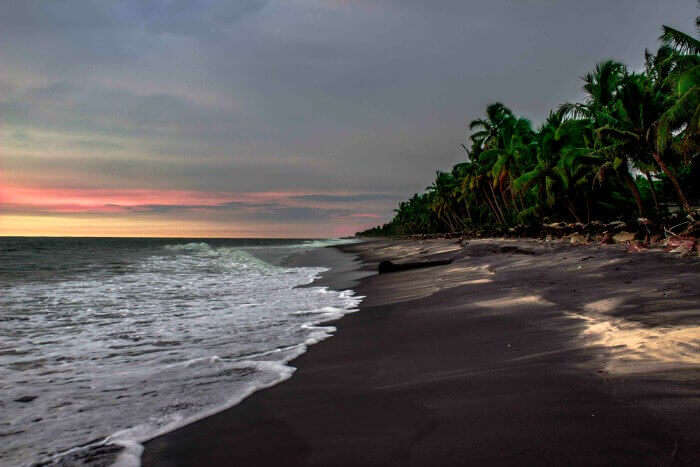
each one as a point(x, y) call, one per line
point(352, 198)
point(239, 211)
point(194, 18)
point(67, 107)
point(264, 206)
point(345, 103)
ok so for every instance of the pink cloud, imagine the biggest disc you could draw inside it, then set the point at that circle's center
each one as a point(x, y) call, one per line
point(366, 215)
point(98, 200)
point(104, 201)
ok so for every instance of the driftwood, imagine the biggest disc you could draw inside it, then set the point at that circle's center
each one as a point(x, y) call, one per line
point(388, 266)
point(515, 249)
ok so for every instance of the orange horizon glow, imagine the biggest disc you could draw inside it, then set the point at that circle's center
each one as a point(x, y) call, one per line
point(101, 200)
point(74, 212)
point(55, 226)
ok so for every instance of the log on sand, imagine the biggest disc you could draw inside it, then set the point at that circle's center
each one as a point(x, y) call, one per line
point(389, 266)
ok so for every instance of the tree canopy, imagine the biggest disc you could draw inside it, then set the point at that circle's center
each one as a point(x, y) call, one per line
point(629, 149)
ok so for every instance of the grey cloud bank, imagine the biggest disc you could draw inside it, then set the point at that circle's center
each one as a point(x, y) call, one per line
point(319, 96)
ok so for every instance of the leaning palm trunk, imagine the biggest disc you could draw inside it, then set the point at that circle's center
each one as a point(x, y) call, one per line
point(674, 181)
point(469, 212)
point(498, 206)
point(522, 201)
point(572, 209)
point(490, 203)
point(588, 210)
point(460, 223)
point(627, 178)
point(652, 189)
point(453, 224)
point(503, 197)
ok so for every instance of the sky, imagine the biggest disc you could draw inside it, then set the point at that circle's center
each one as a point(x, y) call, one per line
point(274, 118)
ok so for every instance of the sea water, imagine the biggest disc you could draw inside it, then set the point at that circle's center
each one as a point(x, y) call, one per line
point(113, 341)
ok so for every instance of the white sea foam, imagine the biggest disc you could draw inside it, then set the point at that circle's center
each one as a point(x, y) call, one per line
point(328, 242)
point(182, 333)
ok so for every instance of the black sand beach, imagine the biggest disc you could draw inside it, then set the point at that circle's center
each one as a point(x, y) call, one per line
point(542, 354)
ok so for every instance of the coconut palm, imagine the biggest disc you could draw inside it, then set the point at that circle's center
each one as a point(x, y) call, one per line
point(488, 128)
point(444, 201)
point(509, 148)
point(542, 178)
point(582, 162)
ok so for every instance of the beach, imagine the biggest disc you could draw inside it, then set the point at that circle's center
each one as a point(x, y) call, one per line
point(519, 352)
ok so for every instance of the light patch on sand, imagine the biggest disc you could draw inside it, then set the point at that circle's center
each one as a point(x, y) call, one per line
point(423, 285)
point(448, 249)
point(483, 269)
point(416, 250)
point(457, 276)
point(514, 301)
point(634, 347)
point(476, 281)
point(399, 251)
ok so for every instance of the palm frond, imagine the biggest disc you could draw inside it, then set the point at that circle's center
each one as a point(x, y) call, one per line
point(616, 133)
point(680, 41)
point(682, 112)
point(479, 122)
point(526, 180)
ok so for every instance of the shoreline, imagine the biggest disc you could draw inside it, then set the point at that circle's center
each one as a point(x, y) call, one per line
point(480, 361)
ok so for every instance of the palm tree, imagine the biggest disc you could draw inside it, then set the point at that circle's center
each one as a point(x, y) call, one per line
point(605, 87)
point(542, 177)
point(511, 143)
point(444, 200)
point(683, 118)
point(473, 188)
point(601, 87)
point(488, 128)
point(581, 161)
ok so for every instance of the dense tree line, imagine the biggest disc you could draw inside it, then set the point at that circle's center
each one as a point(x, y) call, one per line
point(629, 150)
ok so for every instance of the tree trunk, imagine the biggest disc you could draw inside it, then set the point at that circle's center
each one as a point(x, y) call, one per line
point(572, 210)
point(521, 203)
point(490, 203)
point(674, 181)
point(503, 197)
point(461, 224)
point(629, 181)
point(454, 222)
point(588, 210)
point(495, 202)
point(469, 212)
point(447, 219)
point(652, 189)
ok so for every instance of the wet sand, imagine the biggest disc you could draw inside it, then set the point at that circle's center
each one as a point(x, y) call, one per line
point(532, 354)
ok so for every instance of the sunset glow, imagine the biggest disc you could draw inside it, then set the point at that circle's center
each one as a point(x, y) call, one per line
point(149, 213)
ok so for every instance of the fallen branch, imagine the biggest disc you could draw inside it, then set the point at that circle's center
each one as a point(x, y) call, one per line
point(388, 266)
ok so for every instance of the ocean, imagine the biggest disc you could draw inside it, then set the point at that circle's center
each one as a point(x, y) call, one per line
point(113, 341)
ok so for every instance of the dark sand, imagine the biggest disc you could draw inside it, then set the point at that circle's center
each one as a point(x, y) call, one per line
point(569, 356)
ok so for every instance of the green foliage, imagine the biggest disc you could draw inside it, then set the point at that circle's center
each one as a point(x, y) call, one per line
point(680, 41)
point(633, 142)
